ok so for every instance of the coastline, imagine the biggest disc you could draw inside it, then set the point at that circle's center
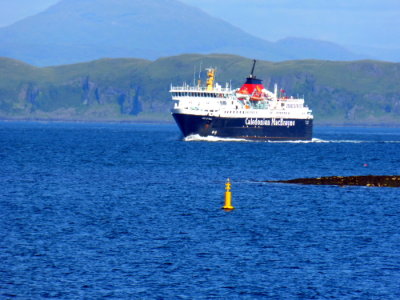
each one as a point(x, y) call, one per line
point(166, 120)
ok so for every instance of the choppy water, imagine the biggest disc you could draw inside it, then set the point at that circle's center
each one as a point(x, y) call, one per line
point(91, 211)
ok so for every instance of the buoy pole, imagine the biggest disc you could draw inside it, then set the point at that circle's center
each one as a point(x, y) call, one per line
point(228, 196)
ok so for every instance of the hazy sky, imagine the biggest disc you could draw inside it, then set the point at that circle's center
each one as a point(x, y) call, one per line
point(371, 23)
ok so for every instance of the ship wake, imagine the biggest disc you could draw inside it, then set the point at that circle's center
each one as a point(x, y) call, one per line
point(198, 138)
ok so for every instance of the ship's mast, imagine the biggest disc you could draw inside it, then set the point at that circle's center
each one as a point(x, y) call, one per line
point(210, 79)
point(199, 80)
point(252, 69)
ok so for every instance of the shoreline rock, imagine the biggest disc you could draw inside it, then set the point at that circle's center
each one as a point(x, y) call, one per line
point(368, 180)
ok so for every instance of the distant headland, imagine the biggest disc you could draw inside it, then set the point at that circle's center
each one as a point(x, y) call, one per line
point(137, 90)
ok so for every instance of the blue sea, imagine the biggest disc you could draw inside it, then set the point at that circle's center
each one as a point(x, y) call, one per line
point(128, 211)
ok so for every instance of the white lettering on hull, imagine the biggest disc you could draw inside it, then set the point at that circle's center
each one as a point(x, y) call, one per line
point(270, 122)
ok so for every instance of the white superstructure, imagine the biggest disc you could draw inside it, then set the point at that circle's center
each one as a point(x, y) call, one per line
point(215, 100)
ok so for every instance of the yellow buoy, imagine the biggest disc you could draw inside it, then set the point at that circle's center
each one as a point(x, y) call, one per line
point(228, 196)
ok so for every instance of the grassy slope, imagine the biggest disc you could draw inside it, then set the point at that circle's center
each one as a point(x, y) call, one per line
point(357, 92)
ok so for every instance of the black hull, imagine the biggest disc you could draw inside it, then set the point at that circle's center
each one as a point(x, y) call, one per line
point(245, 128)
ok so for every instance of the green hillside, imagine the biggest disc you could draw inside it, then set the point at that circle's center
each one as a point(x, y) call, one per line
point(359, 92)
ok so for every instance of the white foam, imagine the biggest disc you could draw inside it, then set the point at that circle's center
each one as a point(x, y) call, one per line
point(353, 141)
point(198, 138)
point(314, 140)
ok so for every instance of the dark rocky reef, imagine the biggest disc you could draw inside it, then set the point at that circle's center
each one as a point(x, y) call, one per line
point(368, 180)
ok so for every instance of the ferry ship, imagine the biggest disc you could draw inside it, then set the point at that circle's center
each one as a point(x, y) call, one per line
point(250, 112)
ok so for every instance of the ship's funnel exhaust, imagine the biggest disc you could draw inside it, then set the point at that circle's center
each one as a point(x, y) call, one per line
point(252, 69)
point(253, 86)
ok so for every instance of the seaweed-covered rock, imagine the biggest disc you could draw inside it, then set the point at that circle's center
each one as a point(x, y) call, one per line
point(368, 180)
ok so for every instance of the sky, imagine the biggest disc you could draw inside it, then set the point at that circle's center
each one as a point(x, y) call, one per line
point(367, 23)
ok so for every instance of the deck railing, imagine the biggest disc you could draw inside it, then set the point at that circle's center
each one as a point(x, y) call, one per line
point(187, 88)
